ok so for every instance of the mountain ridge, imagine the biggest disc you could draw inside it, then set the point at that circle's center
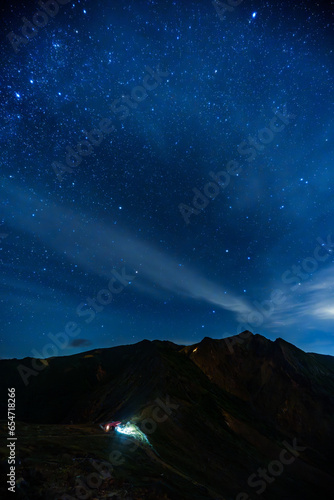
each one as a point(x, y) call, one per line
point(218, 413)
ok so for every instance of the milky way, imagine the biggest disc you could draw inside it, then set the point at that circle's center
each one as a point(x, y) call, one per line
point(166, 172)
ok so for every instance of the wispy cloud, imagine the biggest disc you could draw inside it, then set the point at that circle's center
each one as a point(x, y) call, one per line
point(98, 248)
point(310, 304)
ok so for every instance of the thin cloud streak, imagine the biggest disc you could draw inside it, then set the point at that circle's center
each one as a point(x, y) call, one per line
point(312, 302)
point(98, 249)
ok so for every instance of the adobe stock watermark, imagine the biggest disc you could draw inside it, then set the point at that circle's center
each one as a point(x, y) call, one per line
point(121, 108)
point(61, 340)
point(293, 276)
point(251, 148)
point(160, 412)
point(222, 7)
point(266, 135)
point(275, 468)
point(86, 487)
point(92, 306)
point(39, 20)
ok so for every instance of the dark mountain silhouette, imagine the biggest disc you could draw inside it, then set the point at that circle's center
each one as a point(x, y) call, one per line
point(218, 415)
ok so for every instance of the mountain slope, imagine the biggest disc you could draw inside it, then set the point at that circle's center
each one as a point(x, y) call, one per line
point(213, 416)
point(292, 389)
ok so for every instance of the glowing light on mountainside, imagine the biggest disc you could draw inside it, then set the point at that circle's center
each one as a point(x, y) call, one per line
point(132, 430)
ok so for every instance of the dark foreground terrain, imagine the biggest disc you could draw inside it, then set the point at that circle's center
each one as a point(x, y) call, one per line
point(242, 419)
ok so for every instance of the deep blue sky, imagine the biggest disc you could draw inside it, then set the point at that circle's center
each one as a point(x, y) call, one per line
point(223, 83)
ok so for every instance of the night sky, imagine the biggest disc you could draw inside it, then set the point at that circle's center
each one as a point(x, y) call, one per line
point(133, 238)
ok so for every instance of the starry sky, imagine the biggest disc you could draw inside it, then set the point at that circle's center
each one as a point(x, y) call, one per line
point(201, 203)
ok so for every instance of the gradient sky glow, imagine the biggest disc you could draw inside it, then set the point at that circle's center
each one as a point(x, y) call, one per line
point(260, 255)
